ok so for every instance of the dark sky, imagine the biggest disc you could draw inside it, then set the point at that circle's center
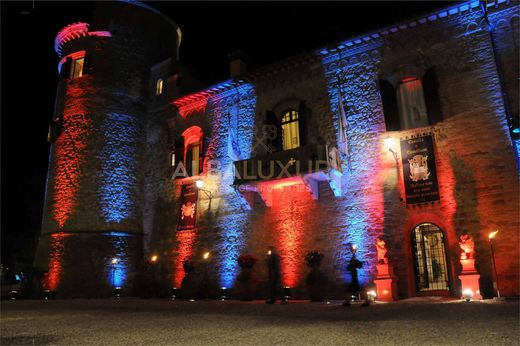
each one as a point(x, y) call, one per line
point(266, 31)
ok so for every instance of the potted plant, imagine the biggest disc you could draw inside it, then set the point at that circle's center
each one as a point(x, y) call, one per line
point(246, 280)
point(316, 281)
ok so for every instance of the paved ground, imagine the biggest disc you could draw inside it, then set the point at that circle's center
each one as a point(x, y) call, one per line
point(163, 322)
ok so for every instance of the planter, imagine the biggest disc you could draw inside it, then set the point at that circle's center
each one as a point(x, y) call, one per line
point(316, 283)
point(245, 286)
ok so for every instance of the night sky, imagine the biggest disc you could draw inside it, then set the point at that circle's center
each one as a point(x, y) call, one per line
point(266, 31)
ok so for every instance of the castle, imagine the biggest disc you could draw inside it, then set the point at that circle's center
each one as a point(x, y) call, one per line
point(406, 136)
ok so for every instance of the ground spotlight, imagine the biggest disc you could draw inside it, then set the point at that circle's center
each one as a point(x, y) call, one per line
point(286, 294)
point(175, 293)
point(223, 294)
point(117, 292)
point(467, 294)
point(372, 295)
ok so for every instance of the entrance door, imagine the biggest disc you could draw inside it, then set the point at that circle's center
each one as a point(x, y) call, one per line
point(431, 270)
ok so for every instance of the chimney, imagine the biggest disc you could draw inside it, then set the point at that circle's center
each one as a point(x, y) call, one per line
point(237, 64)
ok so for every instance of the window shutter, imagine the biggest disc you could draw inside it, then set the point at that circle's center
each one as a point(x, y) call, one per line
point(65, 68)
point(179, 158)
point(201, 154)
point(389, 105)
point(303, 113)
point(431, 96)
point(271, 119)
point(87, 64)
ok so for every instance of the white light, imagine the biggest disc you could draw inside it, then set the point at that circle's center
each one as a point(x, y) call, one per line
point(389, 143)
point(372, 294)
point(467, 294)
point(493, 234)
point(199, 183)
point(114, 260)
point(269, 252)
point(206, 255)
point(154, 258)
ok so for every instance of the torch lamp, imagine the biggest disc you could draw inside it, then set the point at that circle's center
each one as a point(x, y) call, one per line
point(491, 236)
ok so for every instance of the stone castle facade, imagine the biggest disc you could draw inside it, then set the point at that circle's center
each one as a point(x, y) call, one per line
point(306, 154)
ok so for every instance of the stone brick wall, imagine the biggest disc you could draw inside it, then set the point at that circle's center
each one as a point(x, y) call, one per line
point(97, 168)
point(114, 155)
point(474, 157)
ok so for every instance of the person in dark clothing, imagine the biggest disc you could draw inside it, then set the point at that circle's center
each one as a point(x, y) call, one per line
point(353, 267)
point(273, 266)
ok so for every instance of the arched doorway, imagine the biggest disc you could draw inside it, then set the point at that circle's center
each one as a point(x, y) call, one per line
point(431, 269)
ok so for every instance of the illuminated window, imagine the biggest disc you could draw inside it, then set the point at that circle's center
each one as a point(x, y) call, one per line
point(76, 69)
point(159, 87)
point(290, 130)
point(193, 150)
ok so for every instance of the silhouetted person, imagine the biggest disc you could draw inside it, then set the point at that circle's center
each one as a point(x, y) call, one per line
point(273, 266)
point(353, 267)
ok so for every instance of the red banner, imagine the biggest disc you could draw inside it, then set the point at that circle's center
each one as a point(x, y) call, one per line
point(188, 207)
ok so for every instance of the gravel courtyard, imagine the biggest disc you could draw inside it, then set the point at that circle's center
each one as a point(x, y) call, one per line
point(132, 321)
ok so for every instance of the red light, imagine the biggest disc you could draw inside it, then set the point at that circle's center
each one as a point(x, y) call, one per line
point(291, 205)
point(70, 147)
point(185, 245)
point(55, 260)
point(191, 104)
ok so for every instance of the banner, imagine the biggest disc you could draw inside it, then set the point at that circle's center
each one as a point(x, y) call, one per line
point(188, 208)
point(419, 170)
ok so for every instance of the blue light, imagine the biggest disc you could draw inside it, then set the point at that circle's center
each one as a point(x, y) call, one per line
point(234, 110)
point(359, 211)
point(517, 130)
point(117, 267)
point(118, 169)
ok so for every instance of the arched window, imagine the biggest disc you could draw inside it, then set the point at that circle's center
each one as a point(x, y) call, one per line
point(193, 150)
point(431, 269)
point(290, 130)
point(159, 87)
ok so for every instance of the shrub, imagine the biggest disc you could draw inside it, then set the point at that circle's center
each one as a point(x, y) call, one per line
point(313, 258)
point(246, 261)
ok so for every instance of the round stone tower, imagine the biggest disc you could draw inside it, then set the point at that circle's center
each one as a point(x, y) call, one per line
point(92, 230)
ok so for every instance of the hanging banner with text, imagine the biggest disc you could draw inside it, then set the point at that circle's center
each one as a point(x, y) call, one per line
point(419, 170)
point(188, 212)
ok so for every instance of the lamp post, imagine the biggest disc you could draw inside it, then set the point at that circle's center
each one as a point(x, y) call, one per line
point(490, 237)
point(389, 144)
point(205, 258)
point(199, 183)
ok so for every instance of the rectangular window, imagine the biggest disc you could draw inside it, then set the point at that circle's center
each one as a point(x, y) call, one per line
point(76, 70)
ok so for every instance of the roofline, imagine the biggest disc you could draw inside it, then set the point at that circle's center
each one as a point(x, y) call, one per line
point(354, 42)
